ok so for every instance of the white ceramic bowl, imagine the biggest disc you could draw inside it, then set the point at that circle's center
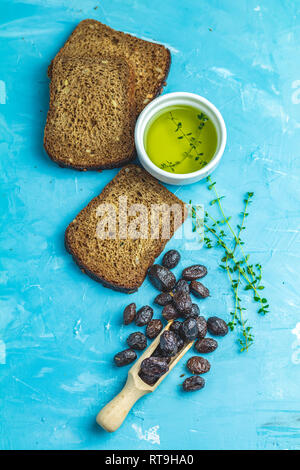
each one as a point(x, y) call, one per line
point(171, 99)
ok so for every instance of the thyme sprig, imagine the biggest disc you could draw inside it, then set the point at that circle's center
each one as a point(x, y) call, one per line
point(234, 262)
point(249, 273)
point(193, 142)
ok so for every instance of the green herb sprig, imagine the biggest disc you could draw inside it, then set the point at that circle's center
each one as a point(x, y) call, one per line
point(235, 262)
point(193, 142)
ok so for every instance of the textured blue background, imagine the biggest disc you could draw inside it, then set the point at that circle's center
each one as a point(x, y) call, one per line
point(59, 329)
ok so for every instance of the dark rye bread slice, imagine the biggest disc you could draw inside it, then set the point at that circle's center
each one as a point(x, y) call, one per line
point(122, 263)
point(91, 117)
point(150, 61)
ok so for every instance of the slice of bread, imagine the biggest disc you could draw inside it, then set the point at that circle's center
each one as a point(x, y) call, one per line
point(91, 118)
point(150, 61)
point(121, 262)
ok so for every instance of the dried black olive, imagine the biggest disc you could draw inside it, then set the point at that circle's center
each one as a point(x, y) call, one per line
point(171, 259)
point(175, 327)
point(123, 358)
point(168, 343)
point(162, 278)
point(143, 315)
point(191, 384)
point(199, 290)
point(159, 353)
point(194, 272)
point(153, 329)
point(189, 330)
point(198, 365)
point(180, 342)
point(154, 366)
point(182, 286)
point(148, 379)
point(206, 345)
point(195, 312)
point(202, 327)
point(169, 312)
point(129, 314)
point(182, 303)
point(163, 299)
point(217, 327)
point(137, 341)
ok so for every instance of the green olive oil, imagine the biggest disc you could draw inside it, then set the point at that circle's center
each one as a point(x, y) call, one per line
point(180, 139)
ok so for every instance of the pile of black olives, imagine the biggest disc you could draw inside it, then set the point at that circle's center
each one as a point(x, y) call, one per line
point(177, 303)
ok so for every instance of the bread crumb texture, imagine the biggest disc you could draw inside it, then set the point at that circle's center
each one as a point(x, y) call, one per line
point(122, 263)
point(150, 61)
point(91, 118)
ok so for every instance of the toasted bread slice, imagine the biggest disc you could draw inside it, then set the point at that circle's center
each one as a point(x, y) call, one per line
point(91, 118)
point(150, 61)
point(115, 258)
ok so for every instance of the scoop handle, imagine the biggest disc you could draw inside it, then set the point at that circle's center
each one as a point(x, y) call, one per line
point(114, 413)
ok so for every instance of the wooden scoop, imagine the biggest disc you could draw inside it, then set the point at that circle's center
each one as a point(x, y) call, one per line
point(114, 413)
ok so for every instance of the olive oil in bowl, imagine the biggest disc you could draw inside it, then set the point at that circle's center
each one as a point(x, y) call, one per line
point(180, 139)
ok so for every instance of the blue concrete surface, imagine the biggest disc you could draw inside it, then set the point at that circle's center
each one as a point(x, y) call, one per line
point(59, 329)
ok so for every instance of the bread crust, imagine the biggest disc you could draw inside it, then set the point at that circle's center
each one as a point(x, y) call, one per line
point(90, 167)
point(63, 159)
point(101, 280)
point(156, 91)
point(127, 288)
